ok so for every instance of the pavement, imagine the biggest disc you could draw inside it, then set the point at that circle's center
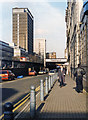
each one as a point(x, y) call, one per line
point(61, 103)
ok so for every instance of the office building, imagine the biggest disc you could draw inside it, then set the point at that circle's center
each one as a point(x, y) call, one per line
point(40, 48)
point(23, 28)
point(18, 51)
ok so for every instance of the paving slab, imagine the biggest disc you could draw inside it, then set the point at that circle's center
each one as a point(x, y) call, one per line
point(61, 103)
point(65, 102)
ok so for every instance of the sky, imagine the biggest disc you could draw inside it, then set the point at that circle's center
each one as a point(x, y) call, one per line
point(49, 23)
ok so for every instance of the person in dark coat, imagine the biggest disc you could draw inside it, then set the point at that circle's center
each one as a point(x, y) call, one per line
point(61, 76)
point(79, 78)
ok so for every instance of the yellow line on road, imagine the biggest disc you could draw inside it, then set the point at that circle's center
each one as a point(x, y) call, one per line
point(20, 104)
point(1, 116)
point(26, 98)
point(22, 99)
point(37, 88)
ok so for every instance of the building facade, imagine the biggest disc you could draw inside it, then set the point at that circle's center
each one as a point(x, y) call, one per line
point(51, 55)
point(20, 52)
point(23, 28)
point(84, 40)
point(40, 48)
point(65, 53)
point(73, 33)
point(6, 54)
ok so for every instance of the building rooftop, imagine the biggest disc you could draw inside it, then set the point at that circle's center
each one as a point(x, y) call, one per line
point(27, 10)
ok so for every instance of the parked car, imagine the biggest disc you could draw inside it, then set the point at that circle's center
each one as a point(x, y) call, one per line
point(32, 73)
point(7, 75)
point(51, 72)
point(41, 72)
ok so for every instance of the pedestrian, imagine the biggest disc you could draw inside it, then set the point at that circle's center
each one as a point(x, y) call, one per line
point(59, 73)
point(71, 70)
point(61, 76)
point(79, 78)
point(65, 70)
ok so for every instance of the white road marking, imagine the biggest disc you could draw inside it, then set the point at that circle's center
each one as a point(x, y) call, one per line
point(24, 109)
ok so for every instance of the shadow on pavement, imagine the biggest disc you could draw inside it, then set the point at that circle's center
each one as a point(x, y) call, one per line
point(7, 93)
point(20, 98)
point(76, 89)
point(46, 96)
point(56, 116)
point(40, 107)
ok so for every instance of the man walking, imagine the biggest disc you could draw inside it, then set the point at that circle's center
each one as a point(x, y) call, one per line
point(61, 76)
point(79, 78)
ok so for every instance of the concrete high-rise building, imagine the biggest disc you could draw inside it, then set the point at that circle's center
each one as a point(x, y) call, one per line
point(73, 32)
point(40, 48)
point(23, 28)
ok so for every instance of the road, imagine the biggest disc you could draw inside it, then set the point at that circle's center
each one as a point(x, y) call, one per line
point(13, 91)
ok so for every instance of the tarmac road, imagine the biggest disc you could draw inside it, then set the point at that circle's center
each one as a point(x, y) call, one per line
point(13, 91)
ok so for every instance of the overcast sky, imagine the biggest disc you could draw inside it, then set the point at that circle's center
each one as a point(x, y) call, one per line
point(49, 23)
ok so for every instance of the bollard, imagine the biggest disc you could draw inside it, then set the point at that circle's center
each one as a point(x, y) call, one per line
point(32, 102)
point(8, 113)
point(46, 87)
point(52, 79)
point(41, 91)
point(55, 78)
point(49, 82)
